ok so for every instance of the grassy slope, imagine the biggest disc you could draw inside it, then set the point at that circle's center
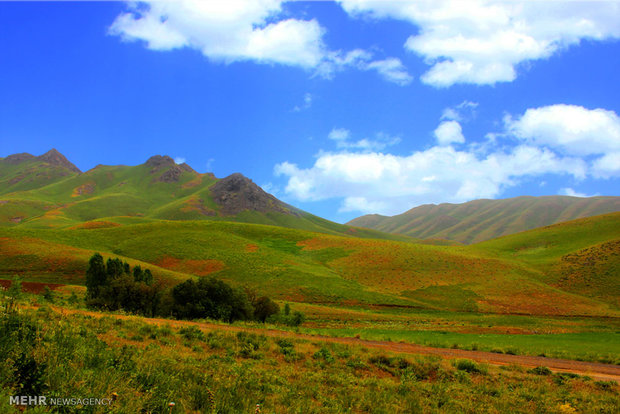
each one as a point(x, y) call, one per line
point(148, 363)
point(29, 174)
point(110, 192)
point(580, 256)
point(313, 267)
point(481, 220)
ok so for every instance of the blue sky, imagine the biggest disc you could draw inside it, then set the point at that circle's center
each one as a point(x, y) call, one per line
point(340, 108)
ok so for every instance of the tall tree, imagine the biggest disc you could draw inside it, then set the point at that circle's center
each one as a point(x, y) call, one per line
point(96, 275)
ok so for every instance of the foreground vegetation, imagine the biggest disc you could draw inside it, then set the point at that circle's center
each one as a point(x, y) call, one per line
point(146, 364)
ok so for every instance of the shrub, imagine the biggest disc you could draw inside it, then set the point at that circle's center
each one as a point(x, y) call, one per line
point(264, 308)
point(470, 366)
point(324, 354)
point(540, 371)
point(48, 295)
point(192, 332)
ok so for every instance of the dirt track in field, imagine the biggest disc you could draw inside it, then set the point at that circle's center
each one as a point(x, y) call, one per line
point(606, 372)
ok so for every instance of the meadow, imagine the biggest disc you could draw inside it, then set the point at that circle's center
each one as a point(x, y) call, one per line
point(144, 365)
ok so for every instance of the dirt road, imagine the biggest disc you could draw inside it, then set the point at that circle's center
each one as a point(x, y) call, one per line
point(606, 372)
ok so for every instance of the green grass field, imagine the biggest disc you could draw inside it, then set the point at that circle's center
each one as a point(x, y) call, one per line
point(145, 365)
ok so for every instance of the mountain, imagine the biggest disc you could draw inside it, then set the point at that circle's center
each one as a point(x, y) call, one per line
point(48, 191)
point(22, 172)
point(481, 220)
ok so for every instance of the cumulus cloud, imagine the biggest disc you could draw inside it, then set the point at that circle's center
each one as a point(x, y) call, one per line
point(483, 41)
point(179, 160)
point(245, 30)
point(449, 132)
point(389, 184)
point(570, 192)
point(391, 70)
point(229, 31)
point(339, 134)
point(558, 140)
point(608, 166)
point(569, 128)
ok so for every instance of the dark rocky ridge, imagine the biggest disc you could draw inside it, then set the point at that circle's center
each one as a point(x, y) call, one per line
point(54, 157)
point(172, 171)
point(158, 161)
point(237, 193)
point(19, 158)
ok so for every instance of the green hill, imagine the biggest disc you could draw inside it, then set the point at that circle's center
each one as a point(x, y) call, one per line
point(49, 192)
point(580, 256)
point(184, 224)
point(22, 172)
point(297, 265)
point(481, 220)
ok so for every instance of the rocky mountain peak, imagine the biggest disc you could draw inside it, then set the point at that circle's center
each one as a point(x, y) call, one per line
point(157, 161)
point(54, 157)
point(237, 193)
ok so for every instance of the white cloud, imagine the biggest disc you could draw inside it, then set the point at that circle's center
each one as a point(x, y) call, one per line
point(245, 30)
point(228, 31)
point(361, 204)
point(392, 70)
point(449, 132)
point(391, 184)
point(483, 41)
point(382, 140)
point(607, 166)
point(179, 160)
point(568, 128)
point(570, 192)
point(339, 134)
point(461, 112)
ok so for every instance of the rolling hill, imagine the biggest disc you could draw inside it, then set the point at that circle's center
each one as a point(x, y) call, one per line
point(518, 274)
point(183, 224)
point(48, 191)
point(480, 220)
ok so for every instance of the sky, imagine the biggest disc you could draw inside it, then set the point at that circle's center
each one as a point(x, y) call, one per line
point(341, 108)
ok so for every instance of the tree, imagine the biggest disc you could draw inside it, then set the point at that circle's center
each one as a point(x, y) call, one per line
point(147, 277)
point(96, 275)
point(264, 308)
point(210, 298)
point(138, 275)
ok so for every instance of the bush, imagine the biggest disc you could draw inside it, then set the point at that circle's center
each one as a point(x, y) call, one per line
point(264, 308)
point(470, 366)
point(191, 333)
point(324, 354)
point(540, 371)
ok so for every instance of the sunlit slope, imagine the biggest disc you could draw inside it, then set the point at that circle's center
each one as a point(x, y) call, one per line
point(22, 172)
point(158, 190)
point(313, 267)
point(580, 256)
point(481, 220)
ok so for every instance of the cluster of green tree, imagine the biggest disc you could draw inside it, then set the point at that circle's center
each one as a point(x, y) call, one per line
point(212, 298)
point(113, 285)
